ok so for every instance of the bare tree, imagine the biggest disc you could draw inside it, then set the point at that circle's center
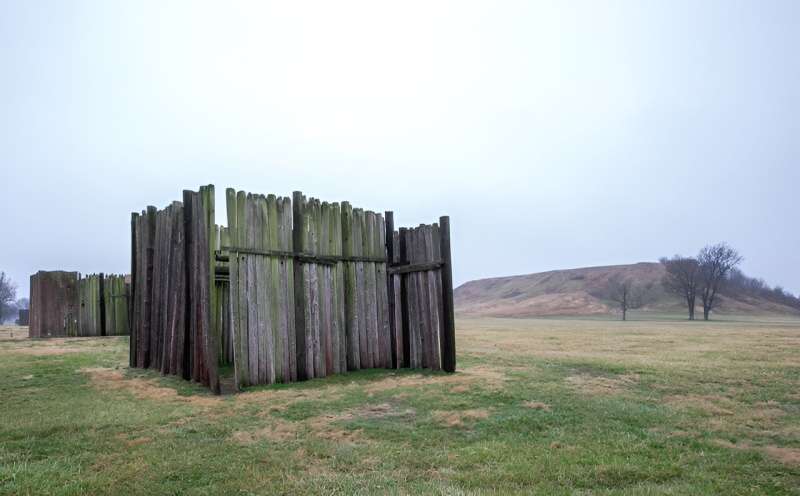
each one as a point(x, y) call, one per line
point(626, 294)
point(682, 278)
point(8, 295)
point(716, 262)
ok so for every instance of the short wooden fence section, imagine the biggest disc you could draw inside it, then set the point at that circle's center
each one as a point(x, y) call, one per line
point(291, 289)
point(64, 304)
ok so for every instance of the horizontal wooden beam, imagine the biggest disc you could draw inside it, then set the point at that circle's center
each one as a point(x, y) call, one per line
point(418, 267)
point(299, 256)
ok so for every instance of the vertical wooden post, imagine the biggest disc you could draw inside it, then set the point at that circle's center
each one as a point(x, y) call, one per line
point(404, 299)
point(448, 317)
point(188, 339)
point(206, 286)
point(207, 199)
point(299, 293)
point(350, 290)
point(148, 248)
point(101, 294)
point(389, 215)
point(132, 295)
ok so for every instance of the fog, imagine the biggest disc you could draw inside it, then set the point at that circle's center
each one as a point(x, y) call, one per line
point(555, 135)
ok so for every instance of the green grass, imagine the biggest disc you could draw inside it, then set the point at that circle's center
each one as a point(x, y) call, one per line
point(538, 406)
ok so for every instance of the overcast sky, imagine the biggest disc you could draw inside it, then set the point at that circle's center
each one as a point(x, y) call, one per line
point(555, 134)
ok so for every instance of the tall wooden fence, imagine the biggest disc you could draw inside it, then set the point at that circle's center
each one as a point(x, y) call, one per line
point(64, 304)
point(365, 289)
point(261, 287)
point(172, 286)
point(292, 289)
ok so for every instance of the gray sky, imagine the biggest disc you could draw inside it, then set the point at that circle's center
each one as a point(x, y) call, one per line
point(555, 134)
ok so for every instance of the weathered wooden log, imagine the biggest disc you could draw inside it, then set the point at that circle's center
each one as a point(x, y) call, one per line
point(448, 317)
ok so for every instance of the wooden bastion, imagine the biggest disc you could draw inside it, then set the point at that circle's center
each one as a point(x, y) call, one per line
point(293, 288)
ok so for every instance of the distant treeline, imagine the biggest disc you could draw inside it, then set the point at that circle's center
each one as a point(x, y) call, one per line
point(9, 304)
point(740, 284)
point(712, 273)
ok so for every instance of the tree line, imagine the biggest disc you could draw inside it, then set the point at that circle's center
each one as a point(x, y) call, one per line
point(702, 279)
point(739, 284)
point(9, 304)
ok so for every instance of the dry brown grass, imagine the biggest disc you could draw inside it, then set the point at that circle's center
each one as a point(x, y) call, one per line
point(673, 344)
point(13, 332)
point(524, 389)
point(722, 364)
point(114, 380)
point(56, 346)
point(597, 385)
point(460, 417)
point(277, 431)
point(536, 405)
point(321, 426)
point(463, 379)
point(786, 456)
point(709, 404)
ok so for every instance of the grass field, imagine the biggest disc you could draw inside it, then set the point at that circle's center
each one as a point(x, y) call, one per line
point(538, 406)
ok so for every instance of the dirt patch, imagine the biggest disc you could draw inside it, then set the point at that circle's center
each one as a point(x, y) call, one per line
point(278, 431)
point(787, 456)
point(536, 405)
point(322, 426)
point(114, 380)
point(309, 466)
point(276, 401)
point(281, 398)
point(482, 375)
point(138, 441)
point(766, 411)
point(600, 385)
point(492, 377)
point(727, 444)
point(457, 418)
point(383, 410)
point(324, 430)
point(710, 404)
